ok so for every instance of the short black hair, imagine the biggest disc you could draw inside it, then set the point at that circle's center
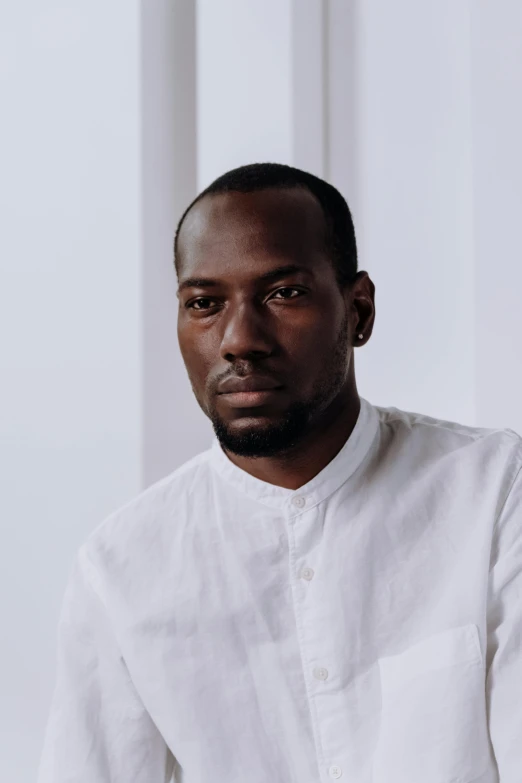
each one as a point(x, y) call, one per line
point(341, 241)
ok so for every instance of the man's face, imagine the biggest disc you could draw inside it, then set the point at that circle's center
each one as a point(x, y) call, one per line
point(243, 317)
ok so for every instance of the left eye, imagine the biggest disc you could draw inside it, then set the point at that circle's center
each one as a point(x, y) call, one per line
point(289, 290)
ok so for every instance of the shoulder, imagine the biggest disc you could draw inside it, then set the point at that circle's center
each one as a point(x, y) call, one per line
point(447, 434)
point(145, 524)
point(419, 443)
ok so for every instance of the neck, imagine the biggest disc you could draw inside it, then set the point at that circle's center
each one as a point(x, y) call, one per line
point(313, 453)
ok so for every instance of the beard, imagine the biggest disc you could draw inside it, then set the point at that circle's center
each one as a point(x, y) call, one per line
point(283, 436)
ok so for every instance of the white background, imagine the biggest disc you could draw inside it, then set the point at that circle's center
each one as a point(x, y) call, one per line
point(113, 115)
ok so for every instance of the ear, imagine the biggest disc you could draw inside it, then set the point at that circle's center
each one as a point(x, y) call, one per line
point(362, 308)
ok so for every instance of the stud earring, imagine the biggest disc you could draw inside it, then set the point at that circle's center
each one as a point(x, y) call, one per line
point(361, 337)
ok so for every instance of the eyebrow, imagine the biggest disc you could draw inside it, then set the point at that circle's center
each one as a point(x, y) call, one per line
point(274, 274)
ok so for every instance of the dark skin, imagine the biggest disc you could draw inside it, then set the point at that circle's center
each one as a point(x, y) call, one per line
point(299, 328)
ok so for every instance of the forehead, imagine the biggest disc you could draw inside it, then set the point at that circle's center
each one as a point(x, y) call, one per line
point(225, 230)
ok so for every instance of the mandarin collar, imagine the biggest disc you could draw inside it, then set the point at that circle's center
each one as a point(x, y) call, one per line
point(324, 484)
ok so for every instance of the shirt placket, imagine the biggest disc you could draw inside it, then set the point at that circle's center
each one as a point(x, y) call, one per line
point(313, 620)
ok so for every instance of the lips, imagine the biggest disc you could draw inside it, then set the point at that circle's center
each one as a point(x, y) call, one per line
point(251, 383)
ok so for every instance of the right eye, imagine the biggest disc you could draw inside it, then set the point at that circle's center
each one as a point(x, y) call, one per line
point(202, 303)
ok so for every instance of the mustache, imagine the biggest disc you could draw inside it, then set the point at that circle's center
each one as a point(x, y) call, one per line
point(240, 369)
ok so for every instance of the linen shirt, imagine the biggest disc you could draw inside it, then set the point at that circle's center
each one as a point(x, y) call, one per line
point(366, 627)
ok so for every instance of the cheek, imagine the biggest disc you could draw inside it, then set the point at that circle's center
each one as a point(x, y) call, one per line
point(198, 354)
point(316, 353)
point(311, 343)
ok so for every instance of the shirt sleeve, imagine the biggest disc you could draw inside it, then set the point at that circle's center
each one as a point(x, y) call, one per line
point(504, 644)
point(98, 730)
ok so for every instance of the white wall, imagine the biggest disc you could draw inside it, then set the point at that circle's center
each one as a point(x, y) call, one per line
point(261, 91)
point(174, 428)
point(433, 171)
point(96, 167)
point(70, 322)
point(414, 204)
point(244, 62)
point(497, 176)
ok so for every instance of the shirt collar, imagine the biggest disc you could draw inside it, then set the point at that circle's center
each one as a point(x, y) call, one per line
point(339, 470)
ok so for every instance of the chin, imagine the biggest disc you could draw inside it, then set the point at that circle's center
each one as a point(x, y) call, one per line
point(246, 429)
point(259, 436)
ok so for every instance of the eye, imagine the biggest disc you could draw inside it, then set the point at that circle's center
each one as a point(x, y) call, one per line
point(290, 290)
point(202, 303)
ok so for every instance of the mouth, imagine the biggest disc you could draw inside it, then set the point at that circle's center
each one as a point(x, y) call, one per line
point(250, 399)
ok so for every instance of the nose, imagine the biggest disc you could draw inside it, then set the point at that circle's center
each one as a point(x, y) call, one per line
point(246, 334)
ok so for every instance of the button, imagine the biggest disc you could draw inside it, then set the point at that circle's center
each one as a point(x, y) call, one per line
point(308, 574)
point(299, 501)
point(320, 673)
point(335, 772)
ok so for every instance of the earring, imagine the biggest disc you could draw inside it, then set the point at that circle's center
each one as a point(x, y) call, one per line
point(361, 337)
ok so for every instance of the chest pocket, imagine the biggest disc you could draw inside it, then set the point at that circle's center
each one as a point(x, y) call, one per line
point(433, 720)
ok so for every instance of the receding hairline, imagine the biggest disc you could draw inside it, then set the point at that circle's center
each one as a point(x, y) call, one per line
point(340, 239)
point(253, 192)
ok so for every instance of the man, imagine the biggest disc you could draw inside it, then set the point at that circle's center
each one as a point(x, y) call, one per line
point(332, 590)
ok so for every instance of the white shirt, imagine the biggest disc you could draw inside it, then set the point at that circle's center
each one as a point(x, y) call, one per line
point(366, 627)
